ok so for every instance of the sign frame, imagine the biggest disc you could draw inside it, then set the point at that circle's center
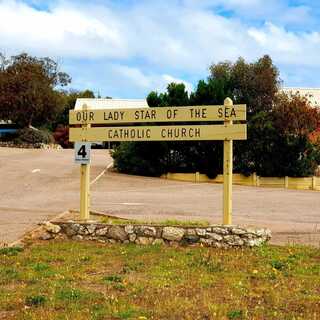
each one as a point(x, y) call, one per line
point(226, 132)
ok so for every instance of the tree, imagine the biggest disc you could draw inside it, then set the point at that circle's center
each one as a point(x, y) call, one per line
point(154, 100)
point(70, 98)
point(255, 84)
point(28, 89)
point(60, 125)
point(176, 95)
point(279, 141)
point(293, 115)
point(279, 127)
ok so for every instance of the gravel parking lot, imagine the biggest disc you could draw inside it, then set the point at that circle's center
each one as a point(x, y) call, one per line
point(40, 184)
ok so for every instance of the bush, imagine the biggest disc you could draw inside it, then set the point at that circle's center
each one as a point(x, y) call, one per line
point(61, 136)
point(282, 137)
point(140, 158)
point(35, 301)
point(33, 136)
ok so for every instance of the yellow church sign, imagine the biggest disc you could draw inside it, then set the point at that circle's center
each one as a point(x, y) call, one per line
point(88, 125)
point(171, 114)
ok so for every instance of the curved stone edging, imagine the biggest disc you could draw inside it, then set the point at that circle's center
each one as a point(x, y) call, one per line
point(219, 236)
point(30, 146)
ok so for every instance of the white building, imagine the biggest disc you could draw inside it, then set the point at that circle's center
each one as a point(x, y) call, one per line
point(93, 103)
point(312, 94)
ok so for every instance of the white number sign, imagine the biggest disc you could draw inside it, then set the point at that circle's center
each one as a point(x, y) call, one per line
point(82, 152)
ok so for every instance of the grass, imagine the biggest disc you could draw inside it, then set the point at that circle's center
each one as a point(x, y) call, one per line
point(171, 222)
point(81, 280)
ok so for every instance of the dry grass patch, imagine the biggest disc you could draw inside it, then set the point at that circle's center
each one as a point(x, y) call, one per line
point(74, 280)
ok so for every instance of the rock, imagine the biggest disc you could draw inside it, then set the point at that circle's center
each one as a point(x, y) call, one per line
point(146, 231)
point(52, 228)
point(102, 231)
point(172, 233)
point(60, 236)
point(206, 242)
point(200, 231)
point(220, 230)
point(254, 242)
point(71, 229)
point(189, 239)
point(264, 233)
point(216, 244)
point(91, 228)
point(214, 236)
point(144, 240)
point(191, 232)
point(77, 237)
point(233, 240)
point(117, 233)
point(132, 237)
point(251, 230)
point(238, 231)
point(129, 229)
point(248, 236)
point(158, 242)
point(83, 231)
point(46, 236)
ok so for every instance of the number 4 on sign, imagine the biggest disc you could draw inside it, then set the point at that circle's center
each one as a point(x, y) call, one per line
point(82, 152)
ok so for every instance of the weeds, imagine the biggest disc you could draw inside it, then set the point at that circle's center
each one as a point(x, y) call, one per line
point(35, 301)
point(72, 280)
point(10, 251)
point(170, 222)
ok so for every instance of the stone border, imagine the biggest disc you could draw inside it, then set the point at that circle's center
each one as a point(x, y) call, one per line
point(30, 146)
point(218, 236)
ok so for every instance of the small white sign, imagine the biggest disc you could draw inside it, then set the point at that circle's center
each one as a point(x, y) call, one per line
point(82, 152)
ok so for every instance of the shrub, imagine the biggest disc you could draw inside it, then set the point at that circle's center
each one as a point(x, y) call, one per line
point(10, 251)
point(35, 300)
point(281, 128)
point(235, 314)
point(33, 136)
point(61, 136)
point(140, 158)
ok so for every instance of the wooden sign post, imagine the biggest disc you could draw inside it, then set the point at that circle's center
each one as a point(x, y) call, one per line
point(106, 128)
point(227, 171)
point(85, 178)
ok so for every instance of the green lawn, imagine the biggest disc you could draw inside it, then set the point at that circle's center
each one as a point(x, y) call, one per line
point(72, 280)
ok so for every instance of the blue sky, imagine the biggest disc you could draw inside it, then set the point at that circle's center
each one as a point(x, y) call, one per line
point(127, 48)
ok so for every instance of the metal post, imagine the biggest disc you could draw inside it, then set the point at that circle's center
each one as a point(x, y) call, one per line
point(227, 172)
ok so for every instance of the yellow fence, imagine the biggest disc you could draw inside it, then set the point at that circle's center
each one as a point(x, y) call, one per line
point(308, 183)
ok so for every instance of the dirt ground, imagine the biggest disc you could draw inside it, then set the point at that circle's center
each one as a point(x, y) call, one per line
point(40, 184)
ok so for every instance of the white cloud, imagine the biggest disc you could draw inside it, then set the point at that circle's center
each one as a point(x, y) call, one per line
point(134, 78)
point(287, 47)
point(120, 81)
point(182, 38)
point(168, 79)
point(64, 31)
point(147, 44)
